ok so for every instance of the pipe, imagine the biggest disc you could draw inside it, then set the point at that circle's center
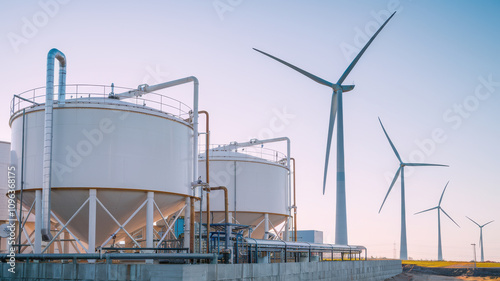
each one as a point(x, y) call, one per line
point(143, 89)
point(226, 207)
point(22, 185)
point(114, 256)
point(207, 172)
point(294, 203)
point(47, 143)
point(191, 223)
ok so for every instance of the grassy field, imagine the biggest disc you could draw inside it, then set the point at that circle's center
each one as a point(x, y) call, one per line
point(450, 263)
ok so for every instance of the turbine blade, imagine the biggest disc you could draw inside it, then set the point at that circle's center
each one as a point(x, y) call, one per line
point(487, 223)
point(425, 164)
point(390, 142)
point(473, 221)
point(333, 113)
point(311, 76)
point(426, 210)
point(443, 193)
point(353, 63)
point(392, 184)
point(449, 217)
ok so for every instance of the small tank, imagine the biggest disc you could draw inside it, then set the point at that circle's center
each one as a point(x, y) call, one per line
point(257, 183)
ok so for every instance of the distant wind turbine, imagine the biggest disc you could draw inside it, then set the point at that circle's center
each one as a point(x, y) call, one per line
point(438, 207)
point(336, 109)
point(480, 236)
point(403, 250)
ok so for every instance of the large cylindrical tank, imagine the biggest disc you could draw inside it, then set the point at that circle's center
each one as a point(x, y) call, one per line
point(256, 186)
point(121, 149)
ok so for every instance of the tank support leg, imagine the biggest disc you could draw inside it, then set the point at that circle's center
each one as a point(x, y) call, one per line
point(149, 222)
point(92, 220)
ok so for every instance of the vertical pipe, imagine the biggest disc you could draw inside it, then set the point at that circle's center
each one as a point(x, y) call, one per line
point(207, 173)
point(38, 222)
point(22, 185)
point(187, 224)
point(294, 204)
point(191, 234)
point(235, 193)
point(266, 226)
point(201, 220)
point(195, 157)
point(92, 220)
point(47, 143)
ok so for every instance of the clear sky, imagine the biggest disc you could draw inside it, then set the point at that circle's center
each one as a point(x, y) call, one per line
point(432, 76)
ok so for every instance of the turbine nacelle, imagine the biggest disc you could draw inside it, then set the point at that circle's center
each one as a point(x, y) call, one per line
point(347, 88)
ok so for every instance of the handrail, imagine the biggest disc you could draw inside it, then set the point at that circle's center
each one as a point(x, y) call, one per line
point(99, 94)
point(259, 152)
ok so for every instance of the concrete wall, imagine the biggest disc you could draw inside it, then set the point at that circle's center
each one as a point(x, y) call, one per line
point(338, 271)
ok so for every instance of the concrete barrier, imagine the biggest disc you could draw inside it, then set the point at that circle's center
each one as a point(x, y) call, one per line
point(337, 270)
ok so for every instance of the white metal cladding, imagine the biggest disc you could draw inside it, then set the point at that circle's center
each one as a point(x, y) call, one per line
point(254, 184)
point(4, 164)
point(107, 146)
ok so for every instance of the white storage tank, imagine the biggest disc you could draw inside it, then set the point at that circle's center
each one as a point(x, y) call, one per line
point(256, 186)
point(123, 150)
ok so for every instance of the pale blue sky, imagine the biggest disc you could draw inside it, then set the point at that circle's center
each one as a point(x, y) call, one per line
point(430, 58)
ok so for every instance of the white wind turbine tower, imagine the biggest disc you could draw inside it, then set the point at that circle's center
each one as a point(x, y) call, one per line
point(336, 109)
point(403, 251)
point(480, 236)
point(438, 207)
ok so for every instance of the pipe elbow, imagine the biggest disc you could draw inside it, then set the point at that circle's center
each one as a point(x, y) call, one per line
point(194, 79)
point(56, 54)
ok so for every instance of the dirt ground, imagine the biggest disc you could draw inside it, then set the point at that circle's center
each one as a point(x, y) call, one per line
point(430, 277)
point(417, 273)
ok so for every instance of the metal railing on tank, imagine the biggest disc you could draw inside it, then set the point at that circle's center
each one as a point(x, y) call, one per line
point(245, 152)
point(89, 93)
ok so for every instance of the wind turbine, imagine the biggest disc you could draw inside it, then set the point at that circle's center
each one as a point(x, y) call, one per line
point(336, 109)
point(438, 207)
point(403, 251)
point(480, 236)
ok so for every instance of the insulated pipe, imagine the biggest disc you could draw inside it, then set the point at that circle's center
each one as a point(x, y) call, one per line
point(294, 204)
point(144, 88)
point(191, 223)
point(47, 142)
point(207, 172)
